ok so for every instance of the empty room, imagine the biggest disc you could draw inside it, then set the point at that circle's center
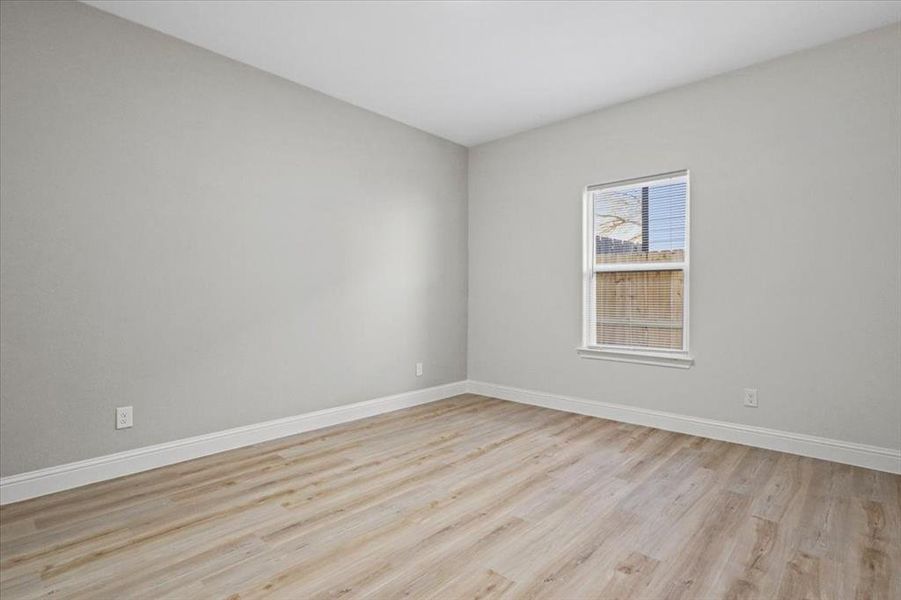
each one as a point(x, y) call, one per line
point(450, 299)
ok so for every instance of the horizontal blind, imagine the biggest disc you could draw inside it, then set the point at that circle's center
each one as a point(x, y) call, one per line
point(641, 309)
point(642, 222)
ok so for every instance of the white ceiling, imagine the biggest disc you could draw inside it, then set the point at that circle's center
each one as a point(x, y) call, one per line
point(475, 71)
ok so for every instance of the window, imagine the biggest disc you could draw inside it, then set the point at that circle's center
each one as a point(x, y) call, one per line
point(636, 271)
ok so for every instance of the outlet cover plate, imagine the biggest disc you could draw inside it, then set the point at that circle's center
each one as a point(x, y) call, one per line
point(750, 397)
point(124, 417)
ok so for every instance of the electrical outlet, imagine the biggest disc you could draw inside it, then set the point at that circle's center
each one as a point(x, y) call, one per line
point(124, 418)
point(751, 397)
point(419, 369)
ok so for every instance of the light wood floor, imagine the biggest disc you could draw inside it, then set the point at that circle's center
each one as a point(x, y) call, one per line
point(470, 497)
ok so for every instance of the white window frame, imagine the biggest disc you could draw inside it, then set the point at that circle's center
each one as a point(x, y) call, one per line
point(681, 358)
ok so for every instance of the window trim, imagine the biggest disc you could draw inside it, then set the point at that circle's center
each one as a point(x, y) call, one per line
point(653, 356)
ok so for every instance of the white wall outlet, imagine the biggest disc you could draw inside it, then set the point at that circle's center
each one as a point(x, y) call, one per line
point(419, 369)
point(751, 397)
point(124, 417)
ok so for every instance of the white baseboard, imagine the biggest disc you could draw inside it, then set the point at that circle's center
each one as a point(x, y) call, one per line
point(861, 455)
point(63, 477)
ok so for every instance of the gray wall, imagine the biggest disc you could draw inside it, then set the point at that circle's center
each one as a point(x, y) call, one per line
point(796, 222)
point(208, 243)
point(216, 246)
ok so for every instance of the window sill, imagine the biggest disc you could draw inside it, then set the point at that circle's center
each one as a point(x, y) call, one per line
point(679, 360)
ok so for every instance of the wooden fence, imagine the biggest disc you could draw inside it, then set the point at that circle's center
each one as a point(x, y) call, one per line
point(640, 308)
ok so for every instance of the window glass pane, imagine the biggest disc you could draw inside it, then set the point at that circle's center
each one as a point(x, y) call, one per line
point(640, 308)
point(640, 223)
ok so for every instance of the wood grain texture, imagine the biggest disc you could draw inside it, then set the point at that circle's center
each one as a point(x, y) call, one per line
point(469, 497)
